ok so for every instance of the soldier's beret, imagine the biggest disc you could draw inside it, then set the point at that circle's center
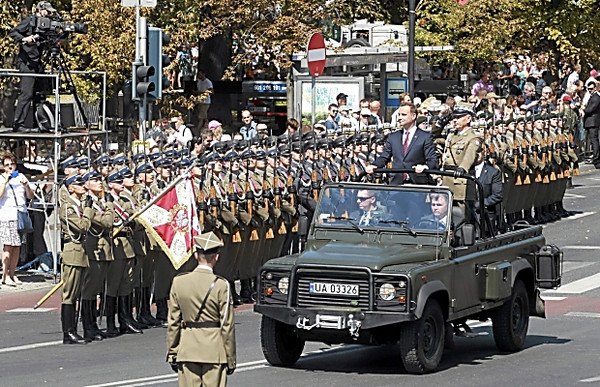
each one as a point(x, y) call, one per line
point(520, 119)
point(260, 155)
point(213, 157)
point(309, 144)
point(222, 146)
point(183, 163)
point(296, 147)
point(420, 120)
point(154, 156)
point(144, 168)
point(102, 160)
point(92, 175)
point(270, 141)
point(247, 154)
point(84, 162)
point(274, 153)
point(137, 158)
point(114, 177)
point(553, 115)
point(169, 154)
point(283, 139)
point(120, 160)
point(510, 121)
point(240, 145)
point(208, 243)
point(70, 162)
point(126, 172)
point(74, 179)
point(499, 122)
point(162, 163)
point(339, 142)
point(233, 155)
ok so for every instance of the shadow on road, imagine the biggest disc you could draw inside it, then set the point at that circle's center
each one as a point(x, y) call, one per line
point(357, 359)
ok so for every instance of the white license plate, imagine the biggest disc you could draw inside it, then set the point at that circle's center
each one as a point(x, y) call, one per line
point(333, 288)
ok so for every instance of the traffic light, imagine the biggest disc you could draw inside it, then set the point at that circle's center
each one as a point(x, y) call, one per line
point(142, 84)
point(157, 39)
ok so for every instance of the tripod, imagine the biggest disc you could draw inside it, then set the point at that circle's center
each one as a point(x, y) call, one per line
point(58, 65)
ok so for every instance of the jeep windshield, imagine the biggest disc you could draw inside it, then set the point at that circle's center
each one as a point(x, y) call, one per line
point(364, 207)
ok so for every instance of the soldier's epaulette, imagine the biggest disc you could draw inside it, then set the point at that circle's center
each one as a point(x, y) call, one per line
point(185, 272)
point(221, 277)
point(125, 199)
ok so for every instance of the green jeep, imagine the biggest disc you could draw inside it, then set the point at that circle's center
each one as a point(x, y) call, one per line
point(394, 264)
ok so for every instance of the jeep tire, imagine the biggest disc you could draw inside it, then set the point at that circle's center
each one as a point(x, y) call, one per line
point(422, 341)
point(280, 344)
point(511, 320)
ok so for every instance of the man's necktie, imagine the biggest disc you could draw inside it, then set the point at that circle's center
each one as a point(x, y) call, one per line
point(405, 149)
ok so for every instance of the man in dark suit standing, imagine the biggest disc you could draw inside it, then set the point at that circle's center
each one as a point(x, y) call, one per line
point(591, 121)
point(491, 180)
point(408, 148)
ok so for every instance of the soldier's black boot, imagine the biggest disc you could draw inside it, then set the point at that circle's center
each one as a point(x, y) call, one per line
point(67, 317)
point(90, 333)
point(528, 218)
point(539, 217)
point(237, 300)
point(125, 321)
point(95, 313)
point(110, 309)
point(553, 212)
point(134, 322)
point(161, 310)
point(144, 314)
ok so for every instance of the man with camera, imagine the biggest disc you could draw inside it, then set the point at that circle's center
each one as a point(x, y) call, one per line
point(28, 60)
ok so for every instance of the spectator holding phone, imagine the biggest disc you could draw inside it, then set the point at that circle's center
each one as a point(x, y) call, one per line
point(14, 190)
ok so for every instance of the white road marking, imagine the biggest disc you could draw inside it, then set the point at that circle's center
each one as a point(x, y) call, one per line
point(591, 380)
point(579, 216)
point(574, 265)
point(573, 196)
point(583, 314)
point(580, 286)
point(30, 310)
point(551, 298)
point(30, 346)
point(575, 247)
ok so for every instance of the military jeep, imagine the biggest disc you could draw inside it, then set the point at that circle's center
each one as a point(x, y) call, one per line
point(407, 272)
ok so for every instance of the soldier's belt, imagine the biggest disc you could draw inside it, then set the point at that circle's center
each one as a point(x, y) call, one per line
point(77, 239)
point(125, 232)
point(202, 324)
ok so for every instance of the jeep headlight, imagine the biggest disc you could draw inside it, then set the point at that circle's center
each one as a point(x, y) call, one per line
point(283, 285)
point(387, 292)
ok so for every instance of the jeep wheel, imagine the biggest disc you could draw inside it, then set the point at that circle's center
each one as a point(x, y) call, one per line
point(511, 320)
point(280, 345)
point(422, 341)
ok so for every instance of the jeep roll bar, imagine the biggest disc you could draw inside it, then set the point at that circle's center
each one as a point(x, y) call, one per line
point(484, 223)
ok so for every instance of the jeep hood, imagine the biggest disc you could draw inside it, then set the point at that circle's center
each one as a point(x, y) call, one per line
point(374, 256)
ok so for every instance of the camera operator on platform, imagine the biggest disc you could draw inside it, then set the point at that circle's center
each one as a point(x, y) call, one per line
point(28, 60)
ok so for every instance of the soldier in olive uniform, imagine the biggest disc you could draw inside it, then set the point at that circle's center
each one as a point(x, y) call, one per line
point(201, 333)
point(461, 153)
point(119, 283)
point(74, 221)
point(98, 247)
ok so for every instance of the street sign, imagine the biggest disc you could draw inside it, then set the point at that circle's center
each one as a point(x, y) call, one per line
point(141, 3)
point(316, 54)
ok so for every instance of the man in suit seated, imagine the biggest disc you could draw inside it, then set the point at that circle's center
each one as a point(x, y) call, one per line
point(409, 148)
point(491, 180)
point(438, 218)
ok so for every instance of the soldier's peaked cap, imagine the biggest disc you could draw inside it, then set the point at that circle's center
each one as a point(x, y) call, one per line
point(208, 243)
point(462, 109)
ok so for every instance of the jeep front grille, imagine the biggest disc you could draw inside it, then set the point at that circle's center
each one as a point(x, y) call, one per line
point(305, 299)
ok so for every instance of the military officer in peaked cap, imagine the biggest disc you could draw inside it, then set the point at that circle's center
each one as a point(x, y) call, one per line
point(201, 334)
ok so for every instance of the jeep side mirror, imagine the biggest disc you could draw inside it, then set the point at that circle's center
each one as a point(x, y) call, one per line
point(468, 234)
